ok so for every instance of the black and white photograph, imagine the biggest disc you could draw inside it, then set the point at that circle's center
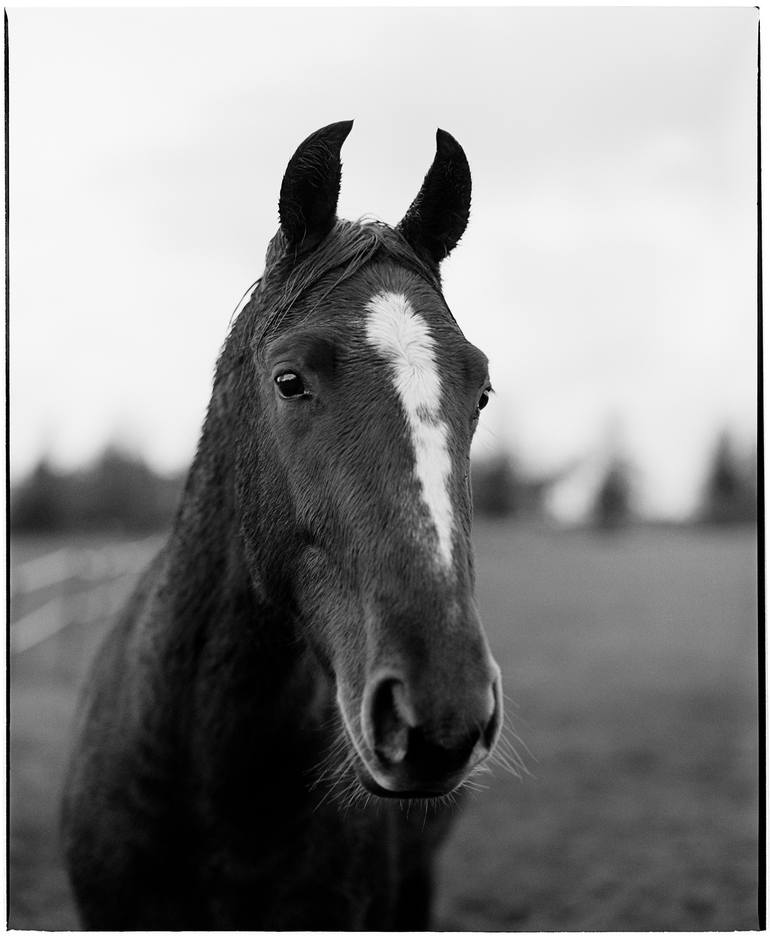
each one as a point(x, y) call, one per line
point(384, 469)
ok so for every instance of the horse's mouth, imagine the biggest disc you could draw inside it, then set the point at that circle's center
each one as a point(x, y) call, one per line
point(413, 791)
point(404, 785)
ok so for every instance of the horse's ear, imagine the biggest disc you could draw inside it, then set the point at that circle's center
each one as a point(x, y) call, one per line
point(311, 187)
point(438, 216)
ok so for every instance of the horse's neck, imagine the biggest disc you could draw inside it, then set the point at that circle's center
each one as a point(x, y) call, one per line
point(205, 544)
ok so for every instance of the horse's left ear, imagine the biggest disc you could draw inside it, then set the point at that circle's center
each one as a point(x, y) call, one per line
point(437, 218)
point(311, 187)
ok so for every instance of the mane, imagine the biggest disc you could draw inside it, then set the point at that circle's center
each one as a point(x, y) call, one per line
point(348, 247)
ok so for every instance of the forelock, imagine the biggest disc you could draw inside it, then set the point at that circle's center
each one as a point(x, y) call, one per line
point(346, 250)
point(286, 282)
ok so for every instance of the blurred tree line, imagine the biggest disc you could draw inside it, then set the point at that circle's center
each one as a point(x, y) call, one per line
point(501, 488)
point(117, 492)
point(120, 492)
point(613, 504)
point(730, 492)
point(728, 495)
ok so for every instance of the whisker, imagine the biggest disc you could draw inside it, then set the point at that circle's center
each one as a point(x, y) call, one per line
point(510, 700)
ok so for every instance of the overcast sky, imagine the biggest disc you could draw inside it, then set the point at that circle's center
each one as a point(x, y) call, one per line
point(609, 269)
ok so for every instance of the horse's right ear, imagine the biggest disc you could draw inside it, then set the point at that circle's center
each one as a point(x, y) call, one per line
point(311, 187)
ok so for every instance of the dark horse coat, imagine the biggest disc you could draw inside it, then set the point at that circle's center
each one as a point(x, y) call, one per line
point(305, 653)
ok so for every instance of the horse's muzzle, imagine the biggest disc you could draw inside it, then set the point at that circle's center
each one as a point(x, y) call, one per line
point(421, 747)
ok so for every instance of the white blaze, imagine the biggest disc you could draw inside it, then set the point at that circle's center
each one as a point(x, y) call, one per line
point(402, 337)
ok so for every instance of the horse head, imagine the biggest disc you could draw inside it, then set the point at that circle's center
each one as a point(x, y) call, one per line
point(357, 405)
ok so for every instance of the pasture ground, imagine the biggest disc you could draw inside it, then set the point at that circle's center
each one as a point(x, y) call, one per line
point(630, 663)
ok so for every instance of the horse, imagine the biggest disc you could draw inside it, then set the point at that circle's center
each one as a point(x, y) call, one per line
point(304, 658)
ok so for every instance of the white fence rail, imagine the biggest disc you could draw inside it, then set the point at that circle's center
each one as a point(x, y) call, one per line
point(97, 583)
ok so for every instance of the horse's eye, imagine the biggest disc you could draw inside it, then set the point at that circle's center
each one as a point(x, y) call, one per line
point(290, 385)
point(483, 400)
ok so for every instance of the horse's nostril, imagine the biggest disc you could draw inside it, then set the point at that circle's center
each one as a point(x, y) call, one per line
point(495, 703)
point(429, 757)
point(389, 721)
point(491, 720)
point(421, 740)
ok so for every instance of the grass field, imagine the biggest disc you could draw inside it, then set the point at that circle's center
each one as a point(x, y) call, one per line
point(631, 664)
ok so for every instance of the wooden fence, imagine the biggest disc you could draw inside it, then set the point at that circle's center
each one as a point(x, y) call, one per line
point(72, 585)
